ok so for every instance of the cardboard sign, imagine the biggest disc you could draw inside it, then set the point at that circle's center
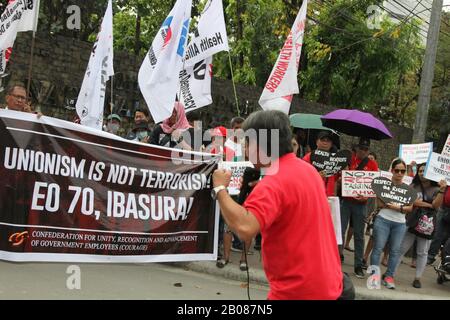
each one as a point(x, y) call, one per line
point(438, 168)
point(331, 163)
point(358, 183)
point(336, 217)
point(446, 150)
point(237, 172)
point(390, 193)
point(415, 152)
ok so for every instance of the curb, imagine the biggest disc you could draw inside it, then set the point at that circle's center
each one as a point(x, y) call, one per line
point(257, 276)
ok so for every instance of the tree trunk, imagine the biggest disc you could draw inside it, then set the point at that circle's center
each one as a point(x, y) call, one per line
point(240, 29)
point(137, 35)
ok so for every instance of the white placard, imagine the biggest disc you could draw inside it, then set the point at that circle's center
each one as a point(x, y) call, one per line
point(446, 149)
point(237, 172)
point(336, 217)
point(438, 168)
point(415, 152)
point(358, 183)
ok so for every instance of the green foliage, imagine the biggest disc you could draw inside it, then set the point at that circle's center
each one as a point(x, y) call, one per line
point(439, 117)
point(344, 63)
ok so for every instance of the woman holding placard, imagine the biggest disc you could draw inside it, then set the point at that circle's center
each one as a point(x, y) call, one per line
point(390, 226)
point(421, 223)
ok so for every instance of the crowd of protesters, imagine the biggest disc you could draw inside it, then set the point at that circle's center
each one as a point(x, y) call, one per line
point(304, 225)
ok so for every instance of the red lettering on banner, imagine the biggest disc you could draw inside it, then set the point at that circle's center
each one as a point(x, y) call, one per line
point(281, 67)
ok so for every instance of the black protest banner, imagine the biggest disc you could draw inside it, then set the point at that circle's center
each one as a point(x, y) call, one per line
point(71, 193)
point(390, 193)
point(331, 163)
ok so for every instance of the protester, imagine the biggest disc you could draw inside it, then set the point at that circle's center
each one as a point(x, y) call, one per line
point(324, 143)
point(356, 207)
point(170, 132)
point(390, 226)
point(194, 135)
point(141, 124)
point(430, 196)
point(303, 147)
point(219, 146)
point(113, 122)
point(234, 142)
point(299, 249)
point(371, 211)
point(17, 100)
point(442, 227)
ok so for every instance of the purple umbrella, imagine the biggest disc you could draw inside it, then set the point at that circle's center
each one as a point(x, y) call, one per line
point(356, 123)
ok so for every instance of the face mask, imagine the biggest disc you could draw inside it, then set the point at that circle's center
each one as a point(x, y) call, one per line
point(113, 127)
point(142, 135)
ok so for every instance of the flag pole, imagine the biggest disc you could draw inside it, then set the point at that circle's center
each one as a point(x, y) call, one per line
point(111, 105)
point(234, 85)
point(33, 42)
point(30, 68)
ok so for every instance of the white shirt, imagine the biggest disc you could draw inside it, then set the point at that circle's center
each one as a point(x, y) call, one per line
point(392, 215)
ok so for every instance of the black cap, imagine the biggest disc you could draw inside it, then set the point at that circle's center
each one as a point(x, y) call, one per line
point(364, 142)
point(324, 134)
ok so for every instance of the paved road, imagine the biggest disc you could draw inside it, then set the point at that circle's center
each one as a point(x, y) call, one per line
point(118, 281)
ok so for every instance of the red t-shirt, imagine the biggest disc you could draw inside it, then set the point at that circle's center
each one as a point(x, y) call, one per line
point(299, 248)
point(329, 182)
point(447, 198)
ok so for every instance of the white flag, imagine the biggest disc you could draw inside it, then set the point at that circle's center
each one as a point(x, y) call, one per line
point(211, 35)
point(282, 83)
point(210, 38)
point(91, 99)
point(19, 15)
point(159, 74)
point(195, 85)
point(30, 16)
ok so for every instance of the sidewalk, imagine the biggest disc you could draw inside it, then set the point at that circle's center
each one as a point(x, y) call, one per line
point(404, 290)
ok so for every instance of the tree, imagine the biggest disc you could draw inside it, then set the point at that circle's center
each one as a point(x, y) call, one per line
point(439, 118)
point(352, 66)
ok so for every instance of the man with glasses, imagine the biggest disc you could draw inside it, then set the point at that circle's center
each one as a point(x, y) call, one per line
point(356, 207)
point(16, 99)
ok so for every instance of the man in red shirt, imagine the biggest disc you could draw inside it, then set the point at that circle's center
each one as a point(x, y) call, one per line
point(290, 209)
point(356, 208)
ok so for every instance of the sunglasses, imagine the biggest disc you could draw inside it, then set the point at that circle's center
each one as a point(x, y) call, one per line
point(402, 171)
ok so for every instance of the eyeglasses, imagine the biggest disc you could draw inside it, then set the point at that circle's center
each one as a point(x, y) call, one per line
point(401, 171)
point(19, 97)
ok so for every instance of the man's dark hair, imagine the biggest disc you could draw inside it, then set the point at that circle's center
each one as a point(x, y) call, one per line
point(11, 88)
point(235, 121)
point(193, 116)
point(271, 120)
point(143, 110)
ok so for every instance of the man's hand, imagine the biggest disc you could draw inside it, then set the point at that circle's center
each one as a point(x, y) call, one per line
point(442, 185)
point(323, 173)
point(361, 198)
point(221, 177)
